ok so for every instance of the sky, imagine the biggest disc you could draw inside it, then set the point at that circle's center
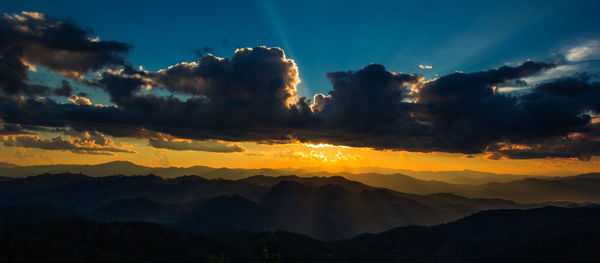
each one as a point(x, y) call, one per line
point(506, 86)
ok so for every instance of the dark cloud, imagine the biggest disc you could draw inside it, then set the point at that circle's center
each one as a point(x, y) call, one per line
point(13, 73)
point(164, 142)
point(371, 107)
point(574, 145)
point(577, 90)
point(253, 97)
point(24, 129)
point(79, 142)
point(65, 90)
point(461, 87)
point(201, 52)
point(11, 129)
point(235, 99)
point(258, 80)
point(30, 38)
point(368, 97)
point(365, 109)
point(465, 111)
point(560, 121)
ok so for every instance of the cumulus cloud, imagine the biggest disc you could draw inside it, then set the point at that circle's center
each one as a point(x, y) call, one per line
point(260, 77)
point(79, 142)
point(371, 107)
point(32, 39)
point(234, 100)
point(79, 100)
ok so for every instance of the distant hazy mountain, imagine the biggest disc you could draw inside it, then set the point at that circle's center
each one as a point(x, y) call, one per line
point(465, 176)
point(584, 188)
point(269, 181)
point(105, 169)
point(522, 189)
point(547, 234)
point(453, 177)
point(360, 174)
point(7, 165)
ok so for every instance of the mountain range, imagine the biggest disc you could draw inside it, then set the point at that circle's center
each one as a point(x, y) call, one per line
point(519, 188)
point(129, 168)
point(327, 208)
point(322, 207)
point(203, 214)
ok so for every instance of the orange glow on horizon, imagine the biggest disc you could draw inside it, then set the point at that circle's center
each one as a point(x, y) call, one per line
point(301, 155)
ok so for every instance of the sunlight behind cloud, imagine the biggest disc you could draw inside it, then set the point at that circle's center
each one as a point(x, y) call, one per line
point(323, 145)
point(314, 155)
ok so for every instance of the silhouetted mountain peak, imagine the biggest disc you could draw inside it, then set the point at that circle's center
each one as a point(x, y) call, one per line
point(188, 179)
point(59, 176)
point(146, 177)
point(587, 176)
point(118, 164)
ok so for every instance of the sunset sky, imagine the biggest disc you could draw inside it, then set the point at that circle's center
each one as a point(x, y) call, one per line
point(508, 87)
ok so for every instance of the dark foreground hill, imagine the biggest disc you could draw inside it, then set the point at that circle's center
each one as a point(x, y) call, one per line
point(548, 234)
point(321, 207)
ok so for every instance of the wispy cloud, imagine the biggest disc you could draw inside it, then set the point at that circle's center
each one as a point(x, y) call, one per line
point(559, 71)
point(587, 51)
point(175, 144)
point(77, 142)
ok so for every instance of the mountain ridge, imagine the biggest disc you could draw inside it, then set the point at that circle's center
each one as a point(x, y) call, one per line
point(130, 168)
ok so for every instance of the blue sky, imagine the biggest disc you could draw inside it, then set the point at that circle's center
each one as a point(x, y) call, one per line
point(325, 36)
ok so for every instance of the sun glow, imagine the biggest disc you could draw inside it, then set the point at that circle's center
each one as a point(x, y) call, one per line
point(323, 145)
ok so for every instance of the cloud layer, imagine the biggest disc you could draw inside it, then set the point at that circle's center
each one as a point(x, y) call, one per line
point(84, 142)
point(252, 96)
